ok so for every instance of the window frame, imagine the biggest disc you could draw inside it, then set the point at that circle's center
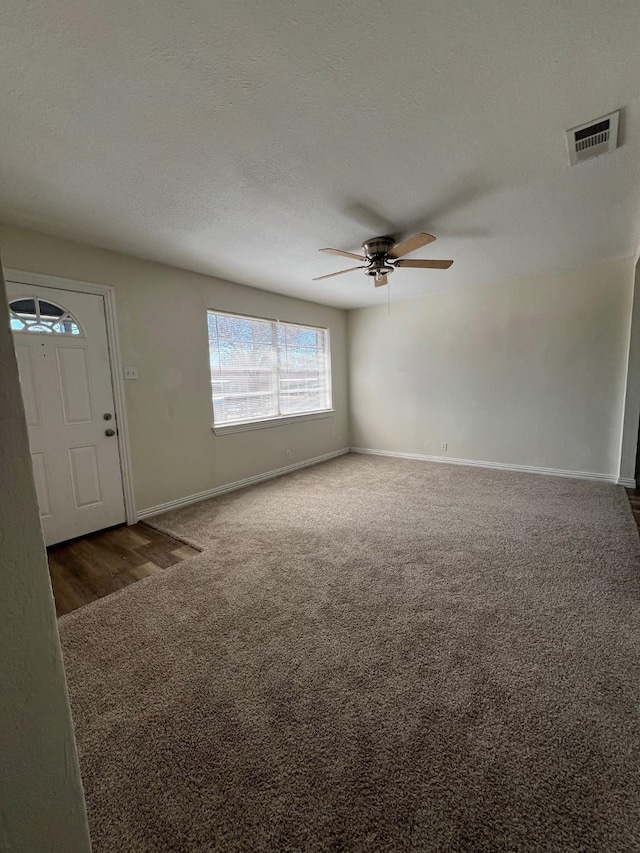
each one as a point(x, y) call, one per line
point(275, 420)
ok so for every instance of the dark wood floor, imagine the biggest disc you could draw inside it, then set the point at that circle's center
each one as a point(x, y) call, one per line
point(634, 500)
point(85, 569)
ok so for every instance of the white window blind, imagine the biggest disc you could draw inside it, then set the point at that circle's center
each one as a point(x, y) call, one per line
point(263, 369)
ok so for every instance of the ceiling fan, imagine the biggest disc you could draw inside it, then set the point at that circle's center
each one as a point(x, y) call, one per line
point(382, 256)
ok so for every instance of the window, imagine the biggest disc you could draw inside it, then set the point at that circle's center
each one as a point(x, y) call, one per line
point(265, 370)
point(40, 316)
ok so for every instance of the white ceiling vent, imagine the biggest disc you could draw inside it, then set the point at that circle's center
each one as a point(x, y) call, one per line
point(590, 140)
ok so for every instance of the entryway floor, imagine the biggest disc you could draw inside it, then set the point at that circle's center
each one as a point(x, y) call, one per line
point(83, 570)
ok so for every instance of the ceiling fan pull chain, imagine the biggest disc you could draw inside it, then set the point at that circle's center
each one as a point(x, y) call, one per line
point(389, 299)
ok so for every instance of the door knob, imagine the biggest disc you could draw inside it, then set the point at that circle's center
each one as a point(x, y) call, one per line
point(109, 432)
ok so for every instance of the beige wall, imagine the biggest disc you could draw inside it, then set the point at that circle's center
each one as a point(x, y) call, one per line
point(163, 330)
point(631, 422)
point(525, 372)
point(41, 801)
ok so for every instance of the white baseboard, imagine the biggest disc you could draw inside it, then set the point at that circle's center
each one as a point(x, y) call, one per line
point(238, 484)
point(627, 482)
point(502, 466)
point(447, 460)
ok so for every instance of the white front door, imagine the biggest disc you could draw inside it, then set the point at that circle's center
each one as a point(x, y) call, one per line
point(61, 345)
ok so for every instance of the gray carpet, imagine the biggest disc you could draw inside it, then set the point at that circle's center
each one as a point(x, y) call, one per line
point(371, 655)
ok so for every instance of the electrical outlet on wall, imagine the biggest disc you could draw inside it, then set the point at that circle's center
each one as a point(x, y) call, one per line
point(287, 454)
point(443, 445)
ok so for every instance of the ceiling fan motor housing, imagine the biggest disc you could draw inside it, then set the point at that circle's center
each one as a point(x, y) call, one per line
point(376, 251)
point(378, 246)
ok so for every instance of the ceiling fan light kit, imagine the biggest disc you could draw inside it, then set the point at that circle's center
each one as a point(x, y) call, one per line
point(382, 256)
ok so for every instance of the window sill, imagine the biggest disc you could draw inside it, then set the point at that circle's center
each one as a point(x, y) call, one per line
point(272, 422)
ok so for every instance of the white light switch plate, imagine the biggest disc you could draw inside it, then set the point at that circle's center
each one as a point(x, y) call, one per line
point(131, 373)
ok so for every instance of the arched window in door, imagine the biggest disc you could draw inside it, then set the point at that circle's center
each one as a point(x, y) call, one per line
point(41, 316)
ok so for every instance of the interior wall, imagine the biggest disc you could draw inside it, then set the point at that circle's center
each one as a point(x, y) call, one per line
point(524, 372)
point(631, 423)
point(41, 799)
point(163, 331)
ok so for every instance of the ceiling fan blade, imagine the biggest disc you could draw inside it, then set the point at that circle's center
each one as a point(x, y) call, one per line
point(425, 265)
point(410, 245)
point(380, 281)
point(344, 254)
point(331, 274)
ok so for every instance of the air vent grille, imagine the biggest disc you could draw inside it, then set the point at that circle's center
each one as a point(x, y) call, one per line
point(590, 140)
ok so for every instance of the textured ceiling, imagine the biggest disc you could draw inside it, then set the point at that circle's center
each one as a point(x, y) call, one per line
point(237, 138)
